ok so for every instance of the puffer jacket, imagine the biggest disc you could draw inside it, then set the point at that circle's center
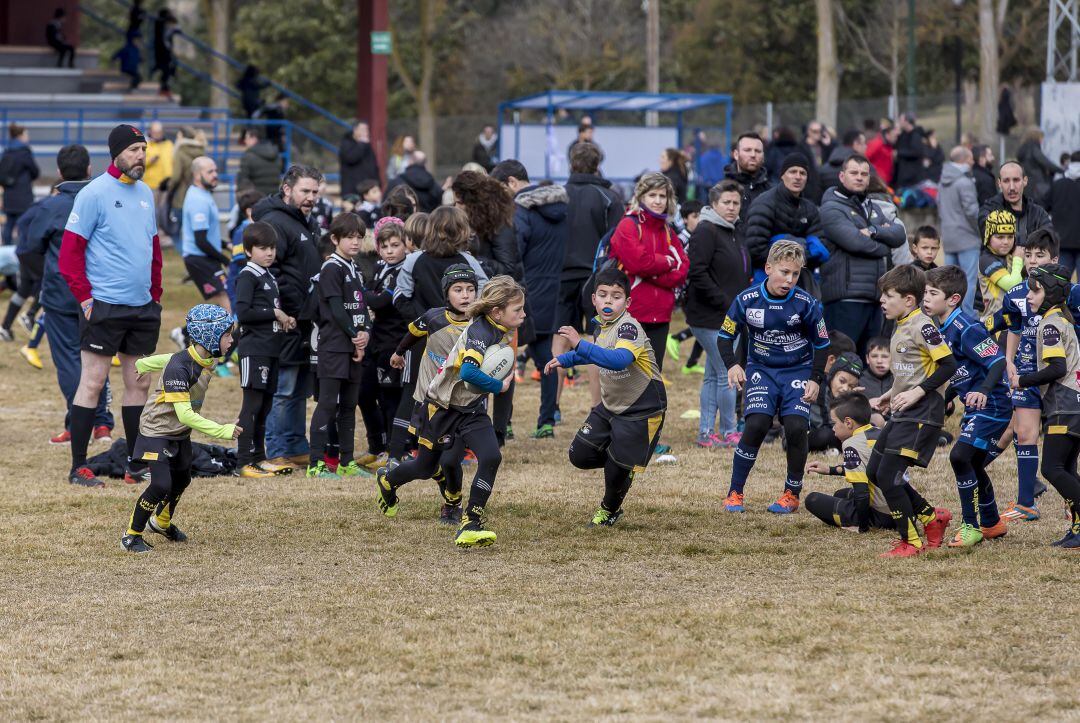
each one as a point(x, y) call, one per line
point(20, 159)
point(719, 270)
point(594, 209)
point(498, 254)
point(540, 222)
point(1029, 218)
point(650, 253)
point(187, 150)
point(856, 261)
point(260, 169)
point(779, 212)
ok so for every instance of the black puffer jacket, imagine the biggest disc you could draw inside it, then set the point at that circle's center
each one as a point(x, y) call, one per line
point(592, 210)
point(1029, 218)
point(985, 182)
point(775, 212)
point(830, 170)
point(856, 261)
point(753, 186)
point(428, 191)
point(297, 261)
point(18, 161)
point(719, 270)
point(358, 163)
point(499, 254)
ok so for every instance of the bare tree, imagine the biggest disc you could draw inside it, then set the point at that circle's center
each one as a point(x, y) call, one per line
point(875, 38)
point(420, 87)
point(217, 13)
point(991, 20)
point(828, 72)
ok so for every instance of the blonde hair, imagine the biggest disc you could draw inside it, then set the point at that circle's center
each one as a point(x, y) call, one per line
point(498, 292)
point(786, 251)
point(416, 229)
point(654, 182)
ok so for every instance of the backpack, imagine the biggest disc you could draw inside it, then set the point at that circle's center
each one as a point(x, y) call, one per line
point(9, 171)
point(602, 261)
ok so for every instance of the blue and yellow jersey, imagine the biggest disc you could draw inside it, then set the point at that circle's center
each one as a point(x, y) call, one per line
point(779, 332)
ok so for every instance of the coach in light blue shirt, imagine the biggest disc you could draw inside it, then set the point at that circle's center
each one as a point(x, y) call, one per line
point(200, 235)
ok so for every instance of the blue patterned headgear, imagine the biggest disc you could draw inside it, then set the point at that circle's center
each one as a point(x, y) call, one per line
point(207, 323)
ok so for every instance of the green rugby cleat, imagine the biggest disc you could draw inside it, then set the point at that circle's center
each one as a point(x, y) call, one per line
point(966, 536)
point(319, 470)
point(473, 534)
point(603, 518)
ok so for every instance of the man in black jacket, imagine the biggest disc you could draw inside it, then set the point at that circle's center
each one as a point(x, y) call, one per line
point(260, 166)
point(417, 177)
point(62, 313)
point(785, 211)
point(719, 271)
point(17, 173)
point(486, 149)
point(860, 241)
point(357, 159)
point(296, 263)
point(747, 168)
point(1029, 215)
point(1064, 203)
point(911, 158)
point(854, 143)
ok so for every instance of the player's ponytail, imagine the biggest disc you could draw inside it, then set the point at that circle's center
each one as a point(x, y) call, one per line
point(497, 294)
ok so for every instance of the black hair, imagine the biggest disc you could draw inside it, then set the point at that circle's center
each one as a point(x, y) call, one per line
point(851, 136)
point(503, 170)
point(856, 158)
point(949, 279)
point(259, 234)
point(347, 224)
point(839, 342)
point(906, 280)
point(878, 342)
point(364, 186)
point(749, 134)
point(297, 171)
point(926, 231)
point(325, 246)
point(690, 207)
point(73, 162)
point(612, 276)
point(247, 199)
point(1044, 239)
point(728, 185)
point(853, 405)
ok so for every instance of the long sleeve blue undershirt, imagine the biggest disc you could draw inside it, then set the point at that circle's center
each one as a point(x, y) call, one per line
point(589, 353)
point(471, 373)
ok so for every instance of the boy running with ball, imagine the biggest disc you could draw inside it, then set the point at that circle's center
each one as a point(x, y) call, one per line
point(621, 432)
point(786, 350)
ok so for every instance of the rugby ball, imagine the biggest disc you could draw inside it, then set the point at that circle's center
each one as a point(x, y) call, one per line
point(498, 363)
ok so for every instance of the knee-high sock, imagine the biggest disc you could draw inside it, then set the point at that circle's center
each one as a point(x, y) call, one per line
point(1027, 468)
point(82, 425)
point(617, 481)
point(130, 415)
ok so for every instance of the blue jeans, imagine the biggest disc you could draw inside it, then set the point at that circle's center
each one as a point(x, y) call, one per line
point(540, 351)
point(63, 332)
point(969, 262)
point(286, 426)
point(716, 395)
point(860, 320)
point(1068, 259)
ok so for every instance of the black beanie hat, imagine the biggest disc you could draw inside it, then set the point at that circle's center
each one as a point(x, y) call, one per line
point(847, 362)
point(795, 160)
point(123, 136)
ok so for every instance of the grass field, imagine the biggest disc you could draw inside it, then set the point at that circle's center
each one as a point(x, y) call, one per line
point(295, 599)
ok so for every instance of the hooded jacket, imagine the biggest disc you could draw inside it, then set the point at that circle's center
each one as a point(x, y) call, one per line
point(958, 209)
point(1064, 203)
point(594, 209)
point(985, 182)
point(260, 169)
point(358, 163)
point(498, 254)
point(18, 159)
point(44, 236)
point(830, 170)
point(297, 261)
point(187, 150)
point(540, 222)
point(1029, 218)
point(856, 261)
point(651, 254)
point(753, 186)
point(719, 270)
point(419, 179)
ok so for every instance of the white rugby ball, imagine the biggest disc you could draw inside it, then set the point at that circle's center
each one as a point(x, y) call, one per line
point(498, 363)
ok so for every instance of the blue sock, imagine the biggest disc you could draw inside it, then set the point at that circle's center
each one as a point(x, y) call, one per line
point(967, 486)
point(1027, 468)
point(793, 485)
point(741, 464)
point(988, 511)
point(992, 453)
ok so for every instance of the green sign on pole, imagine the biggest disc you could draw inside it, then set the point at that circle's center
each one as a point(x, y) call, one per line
point(380, 42)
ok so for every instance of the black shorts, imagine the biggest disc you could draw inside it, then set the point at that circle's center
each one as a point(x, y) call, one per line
point(628, 442)
point(912, 440)
point(177, 452)
point(839, 510)
point(1062, 424)
point(258, 372)
point(570, 300)
point(117, 328)
point(339, 365)
point(439, 428)
point(385, 375)
point(207, 275)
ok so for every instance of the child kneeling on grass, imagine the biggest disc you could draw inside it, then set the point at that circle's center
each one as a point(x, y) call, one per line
point(620, 433)
point(862, 506)
point(170, 414)
point(457, 407)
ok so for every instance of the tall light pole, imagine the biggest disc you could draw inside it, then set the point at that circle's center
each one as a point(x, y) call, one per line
point(652, 55)
point(911, 56)
point(958, 68)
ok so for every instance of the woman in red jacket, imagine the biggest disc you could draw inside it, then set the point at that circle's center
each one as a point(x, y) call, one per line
point(649, 251)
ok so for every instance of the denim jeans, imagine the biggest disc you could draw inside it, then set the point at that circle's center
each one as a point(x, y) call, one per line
point(63, 332)
point(716, 395)
point(286, 426)
point(1068, 258)
point(969, 262)
point(540, 351)
point(861, 321)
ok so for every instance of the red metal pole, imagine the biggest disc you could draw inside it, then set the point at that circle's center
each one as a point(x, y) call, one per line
point(372, 15)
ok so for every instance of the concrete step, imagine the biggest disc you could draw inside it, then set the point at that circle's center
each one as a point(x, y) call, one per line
point(52, 80)
point(83, 101)
point(42, 56)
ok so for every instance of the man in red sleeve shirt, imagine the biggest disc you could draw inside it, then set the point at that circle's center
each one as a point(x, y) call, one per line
point(110, 258)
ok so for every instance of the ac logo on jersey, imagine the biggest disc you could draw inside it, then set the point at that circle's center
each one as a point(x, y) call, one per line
point(755, 317)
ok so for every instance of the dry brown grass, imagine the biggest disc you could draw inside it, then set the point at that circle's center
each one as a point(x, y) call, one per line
point(296, 599)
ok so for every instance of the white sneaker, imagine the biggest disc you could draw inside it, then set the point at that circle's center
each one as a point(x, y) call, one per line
point(177, 335)
point(668, 458)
